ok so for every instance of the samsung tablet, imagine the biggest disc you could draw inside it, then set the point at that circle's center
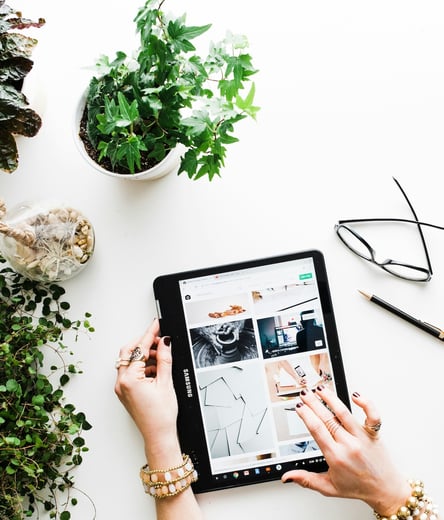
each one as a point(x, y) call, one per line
point(247, 338)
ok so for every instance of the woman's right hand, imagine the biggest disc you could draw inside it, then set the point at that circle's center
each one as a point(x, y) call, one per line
point(359, 464)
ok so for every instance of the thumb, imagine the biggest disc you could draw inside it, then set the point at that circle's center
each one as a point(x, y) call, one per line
point(164, 360)
point(317, 481)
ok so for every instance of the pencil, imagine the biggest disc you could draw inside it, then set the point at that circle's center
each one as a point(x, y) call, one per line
point(426, 327)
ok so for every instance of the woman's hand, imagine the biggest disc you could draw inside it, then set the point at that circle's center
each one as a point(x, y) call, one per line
point(146, 390)
point(359, 465)
point(145, 387)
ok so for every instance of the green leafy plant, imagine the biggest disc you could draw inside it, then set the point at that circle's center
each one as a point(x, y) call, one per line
point(138, 109)
point(16, 116)
point(41, 435)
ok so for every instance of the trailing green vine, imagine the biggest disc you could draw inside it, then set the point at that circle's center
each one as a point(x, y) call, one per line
point(41, 435)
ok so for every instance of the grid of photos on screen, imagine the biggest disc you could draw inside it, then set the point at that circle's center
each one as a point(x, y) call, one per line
point(293, 345)
point(253, 353)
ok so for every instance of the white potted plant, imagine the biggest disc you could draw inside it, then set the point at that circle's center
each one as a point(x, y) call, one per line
point(167, 103)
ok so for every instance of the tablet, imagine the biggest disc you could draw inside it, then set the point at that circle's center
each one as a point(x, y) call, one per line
point(247, 338)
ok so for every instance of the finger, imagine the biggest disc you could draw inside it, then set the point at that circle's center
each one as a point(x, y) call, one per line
point(151, 370)
point(137, 367)
point(143, 344)
point(339, 409)
point(316, 405)
point(150, 338)
point(123, 361)
point(125, 352)
point(325, 414)
point(164, 360)
point(317, 481)
point(317, 428)
point(372, 416)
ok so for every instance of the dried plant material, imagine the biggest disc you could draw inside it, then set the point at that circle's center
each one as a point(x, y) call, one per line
point(62, 241)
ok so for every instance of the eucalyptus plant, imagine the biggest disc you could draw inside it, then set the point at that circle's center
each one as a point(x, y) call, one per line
point(140, 107)
point(41, 433)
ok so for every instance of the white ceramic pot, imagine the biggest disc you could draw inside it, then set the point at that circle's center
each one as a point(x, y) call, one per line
point(170, 164)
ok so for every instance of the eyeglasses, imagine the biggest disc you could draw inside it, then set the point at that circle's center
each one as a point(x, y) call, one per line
point(358, 245)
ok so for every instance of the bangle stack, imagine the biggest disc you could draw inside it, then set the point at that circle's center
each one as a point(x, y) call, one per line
point(419, 506)
point(163, 483)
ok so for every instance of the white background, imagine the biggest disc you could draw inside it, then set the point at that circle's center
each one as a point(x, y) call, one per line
point(352, 93)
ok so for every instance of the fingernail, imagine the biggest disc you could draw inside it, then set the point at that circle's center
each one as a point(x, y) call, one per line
point(298, 405)
point(167, 340)
point(356, 394)
point(303, 392)
point(320, 388)
point(286, 481)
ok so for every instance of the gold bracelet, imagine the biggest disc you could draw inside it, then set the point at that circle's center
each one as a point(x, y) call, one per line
point(418, 506)
point(163, 483)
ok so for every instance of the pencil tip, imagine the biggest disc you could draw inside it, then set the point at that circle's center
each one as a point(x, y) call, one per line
point(364, 294)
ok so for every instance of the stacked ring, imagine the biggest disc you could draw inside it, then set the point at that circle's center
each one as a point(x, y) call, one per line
point(332, 425)
point(122, 362)
point(135, 355)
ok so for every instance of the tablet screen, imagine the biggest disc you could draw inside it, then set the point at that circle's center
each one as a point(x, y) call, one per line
point(247, 338)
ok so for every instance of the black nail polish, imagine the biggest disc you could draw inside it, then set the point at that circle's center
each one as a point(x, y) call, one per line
point(356, 394)
point(298, 405)
point(167, 340)
point(303, 392)
point(320, 388)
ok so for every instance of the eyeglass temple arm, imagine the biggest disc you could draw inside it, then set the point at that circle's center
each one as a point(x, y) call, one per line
point(357, 220)
point(419, 225)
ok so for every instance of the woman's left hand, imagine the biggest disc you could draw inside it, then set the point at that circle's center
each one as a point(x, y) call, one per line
point(145, 388)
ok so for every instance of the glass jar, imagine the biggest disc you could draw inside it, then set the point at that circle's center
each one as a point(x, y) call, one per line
point(46, 241)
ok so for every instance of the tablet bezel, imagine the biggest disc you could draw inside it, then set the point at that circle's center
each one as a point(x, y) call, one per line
point(173, 323)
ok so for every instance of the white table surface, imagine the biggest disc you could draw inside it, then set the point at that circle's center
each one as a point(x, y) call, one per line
point(352, 93)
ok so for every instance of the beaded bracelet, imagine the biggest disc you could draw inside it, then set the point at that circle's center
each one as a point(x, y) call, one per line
point(418, 506)
point(163, 483)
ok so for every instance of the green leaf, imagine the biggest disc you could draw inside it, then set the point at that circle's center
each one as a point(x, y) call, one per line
point(195, 125)
point(8, 152)
point(73, 429)
point(247, 104)
point(192, 32)
point(12, 385)
point(38, 400)
point(64, 379)
point(180, 34)
point(128, 112)
point(78, 442)
point(13, 441)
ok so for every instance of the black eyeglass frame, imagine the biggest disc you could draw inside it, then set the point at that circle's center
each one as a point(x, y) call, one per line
point(385, 265)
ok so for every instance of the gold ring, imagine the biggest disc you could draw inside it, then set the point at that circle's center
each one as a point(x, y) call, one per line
point(332, 425)
point(137, 355)
point(372, 429)
point(122, 362)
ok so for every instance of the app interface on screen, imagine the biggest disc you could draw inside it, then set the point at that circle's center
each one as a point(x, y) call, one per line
point(257, 339)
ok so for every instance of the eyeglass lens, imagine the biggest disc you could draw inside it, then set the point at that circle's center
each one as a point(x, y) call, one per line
point(360, 247)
